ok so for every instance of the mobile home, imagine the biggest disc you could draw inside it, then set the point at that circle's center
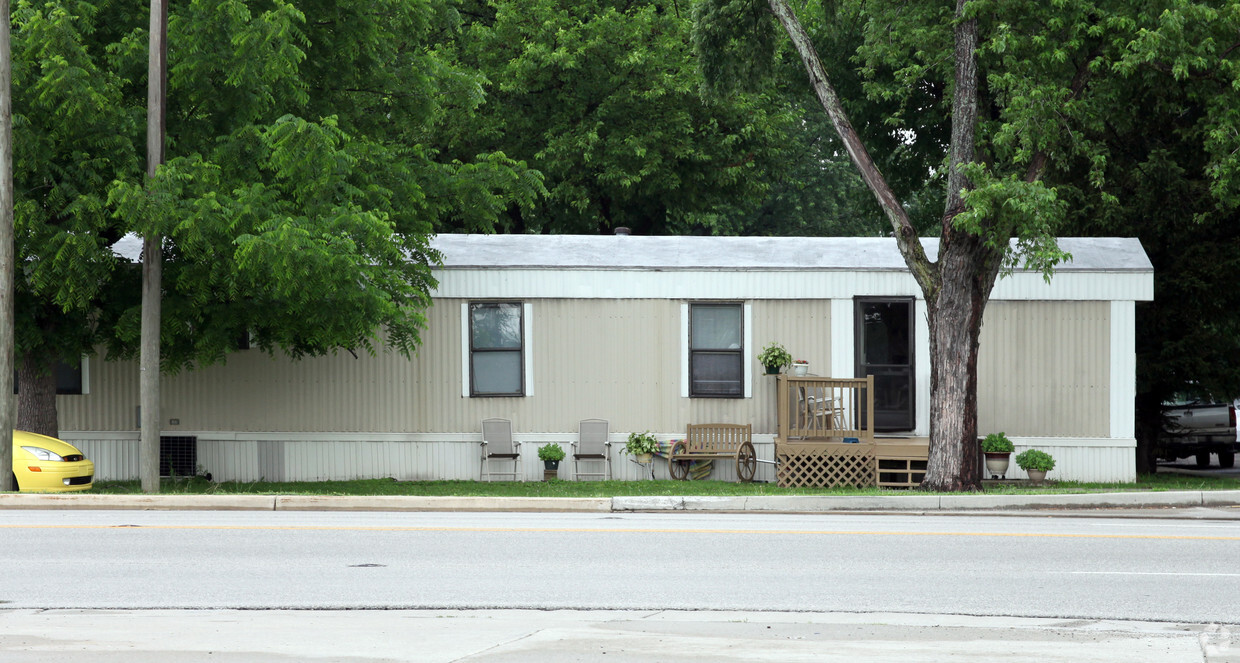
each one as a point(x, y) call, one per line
point(650, 334)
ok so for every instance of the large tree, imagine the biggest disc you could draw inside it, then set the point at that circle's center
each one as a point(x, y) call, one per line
point(1165, 182)
point(1017, 81)
point(602, 97)
point(75, 135)
point(300, 188)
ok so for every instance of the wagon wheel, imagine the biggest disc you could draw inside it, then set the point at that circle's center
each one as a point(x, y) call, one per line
point(679, 469)
point(746, 462)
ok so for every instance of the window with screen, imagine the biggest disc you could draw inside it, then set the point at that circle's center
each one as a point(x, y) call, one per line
point(716, 350)
point(496, 343)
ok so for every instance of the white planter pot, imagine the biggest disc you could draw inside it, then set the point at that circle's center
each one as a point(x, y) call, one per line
point(997, 464)
point(800, 369)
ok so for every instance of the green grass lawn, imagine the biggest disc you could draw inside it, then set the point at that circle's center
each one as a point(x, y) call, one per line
point(199, 486)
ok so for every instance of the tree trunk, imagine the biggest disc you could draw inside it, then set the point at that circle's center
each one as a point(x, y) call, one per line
point(968, 269)
point(36, 398)
point(967, 272)
point(7, 250)
point(958, 285)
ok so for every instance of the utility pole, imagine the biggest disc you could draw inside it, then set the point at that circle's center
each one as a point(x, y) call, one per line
point(7, 265)
point(152, 251)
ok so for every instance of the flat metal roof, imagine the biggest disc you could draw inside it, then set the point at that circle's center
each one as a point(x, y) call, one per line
point(632, 252)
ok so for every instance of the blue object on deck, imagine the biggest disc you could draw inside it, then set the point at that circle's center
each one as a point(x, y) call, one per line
point(851, 440)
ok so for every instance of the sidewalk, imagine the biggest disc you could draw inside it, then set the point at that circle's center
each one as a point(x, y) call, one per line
point(1199, 504)
point(518, 636)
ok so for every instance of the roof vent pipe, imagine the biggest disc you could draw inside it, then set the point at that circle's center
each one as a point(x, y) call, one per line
point(622, 231)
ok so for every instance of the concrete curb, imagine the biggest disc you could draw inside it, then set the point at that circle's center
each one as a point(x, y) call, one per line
point(139, 502)
point(431, 503)
point(827, 503)
point(770, 503)
point(1220, 497)
point(1082, 500)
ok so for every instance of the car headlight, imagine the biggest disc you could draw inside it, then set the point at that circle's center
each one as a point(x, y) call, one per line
point(43, 454)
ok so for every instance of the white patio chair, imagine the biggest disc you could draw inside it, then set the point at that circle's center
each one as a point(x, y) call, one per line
point(592, 446)
point(498, 445)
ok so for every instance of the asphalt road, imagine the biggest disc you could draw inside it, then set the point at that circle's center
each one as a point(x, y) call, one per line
point(1086, 568)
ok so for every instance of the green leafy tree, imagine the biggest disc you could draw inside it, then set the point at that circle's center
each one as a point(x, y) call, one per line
point(602, 97)
point(1169, 179)
point(300, 195)
point(300, 188)
point(1018, 83)
point(813, 191)
point(73, 136)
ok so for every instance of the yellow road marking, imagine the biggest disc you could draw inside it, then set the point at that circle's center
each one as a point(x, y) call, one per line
point(608, 530)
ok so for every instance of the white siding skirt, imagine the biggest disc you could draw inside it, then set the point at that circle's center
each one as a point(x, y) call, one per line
point(231, 456)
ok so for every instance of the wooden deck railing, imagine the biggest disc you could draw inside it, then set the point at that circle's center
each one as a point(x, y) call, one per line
point(822, 409)
point(816, 417)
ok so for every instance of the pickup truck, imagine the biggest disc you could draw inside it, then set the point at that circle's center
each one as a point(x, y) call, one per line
point(1195, 429)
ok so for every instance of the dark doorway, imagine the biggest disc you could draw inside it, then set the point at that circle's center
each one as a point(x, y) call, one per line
point(884, 349)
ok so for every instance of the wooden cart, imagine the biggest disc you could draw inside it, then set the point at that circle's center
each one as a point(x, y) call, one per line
point(702, 441)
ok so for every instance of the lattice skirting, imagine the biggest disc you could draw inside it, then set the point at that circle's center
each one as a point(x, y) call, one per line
point(825, 465)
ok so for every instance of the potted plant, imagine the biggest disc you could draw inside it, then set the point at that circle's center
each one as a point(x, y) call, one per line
point(642, 446)
point(998, 449)
point(800, 367)
point(774, 357)
point(551, 455)
point(1035, 463)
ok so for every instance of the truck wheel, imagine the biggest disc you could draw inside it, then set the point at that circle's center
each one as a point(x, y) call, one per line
point(1203, 459)
point(1226, 459)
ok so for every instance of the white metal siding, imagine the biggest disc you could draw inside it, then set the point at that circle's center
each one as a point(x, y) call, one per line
point(612, 359)
point(768, 285)
point(403, 459)
point(1082, 459)
point(116, 458)
point(1044, 369)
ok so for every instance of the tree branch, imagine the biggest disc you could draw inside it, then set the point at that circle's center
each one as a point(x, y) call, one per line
point(964, 116)
point(906, 236)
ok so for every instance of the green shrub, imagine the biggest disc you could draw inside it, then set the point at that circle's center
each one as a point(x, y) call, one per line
point(641, 443)
point(997, 443)
point(550, 452)
point(774, 355)
point(1033, 459)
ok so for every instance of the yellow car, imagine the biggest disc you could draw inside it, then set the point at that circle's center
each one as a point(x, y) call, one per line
point(43, 464)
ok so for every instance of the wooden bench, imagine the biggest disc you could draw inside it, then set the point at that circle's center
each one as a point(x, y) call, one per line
point(714, 441)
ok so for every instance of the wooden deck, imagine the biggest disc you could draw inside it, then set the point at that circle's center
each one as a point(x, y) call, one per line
point(826, 437)
point(901, 461)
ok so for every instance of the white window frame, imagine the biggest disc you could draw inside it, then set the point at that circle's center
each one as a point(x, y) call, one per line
point(746, 343)
point(527, 349)
point(85, 375)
